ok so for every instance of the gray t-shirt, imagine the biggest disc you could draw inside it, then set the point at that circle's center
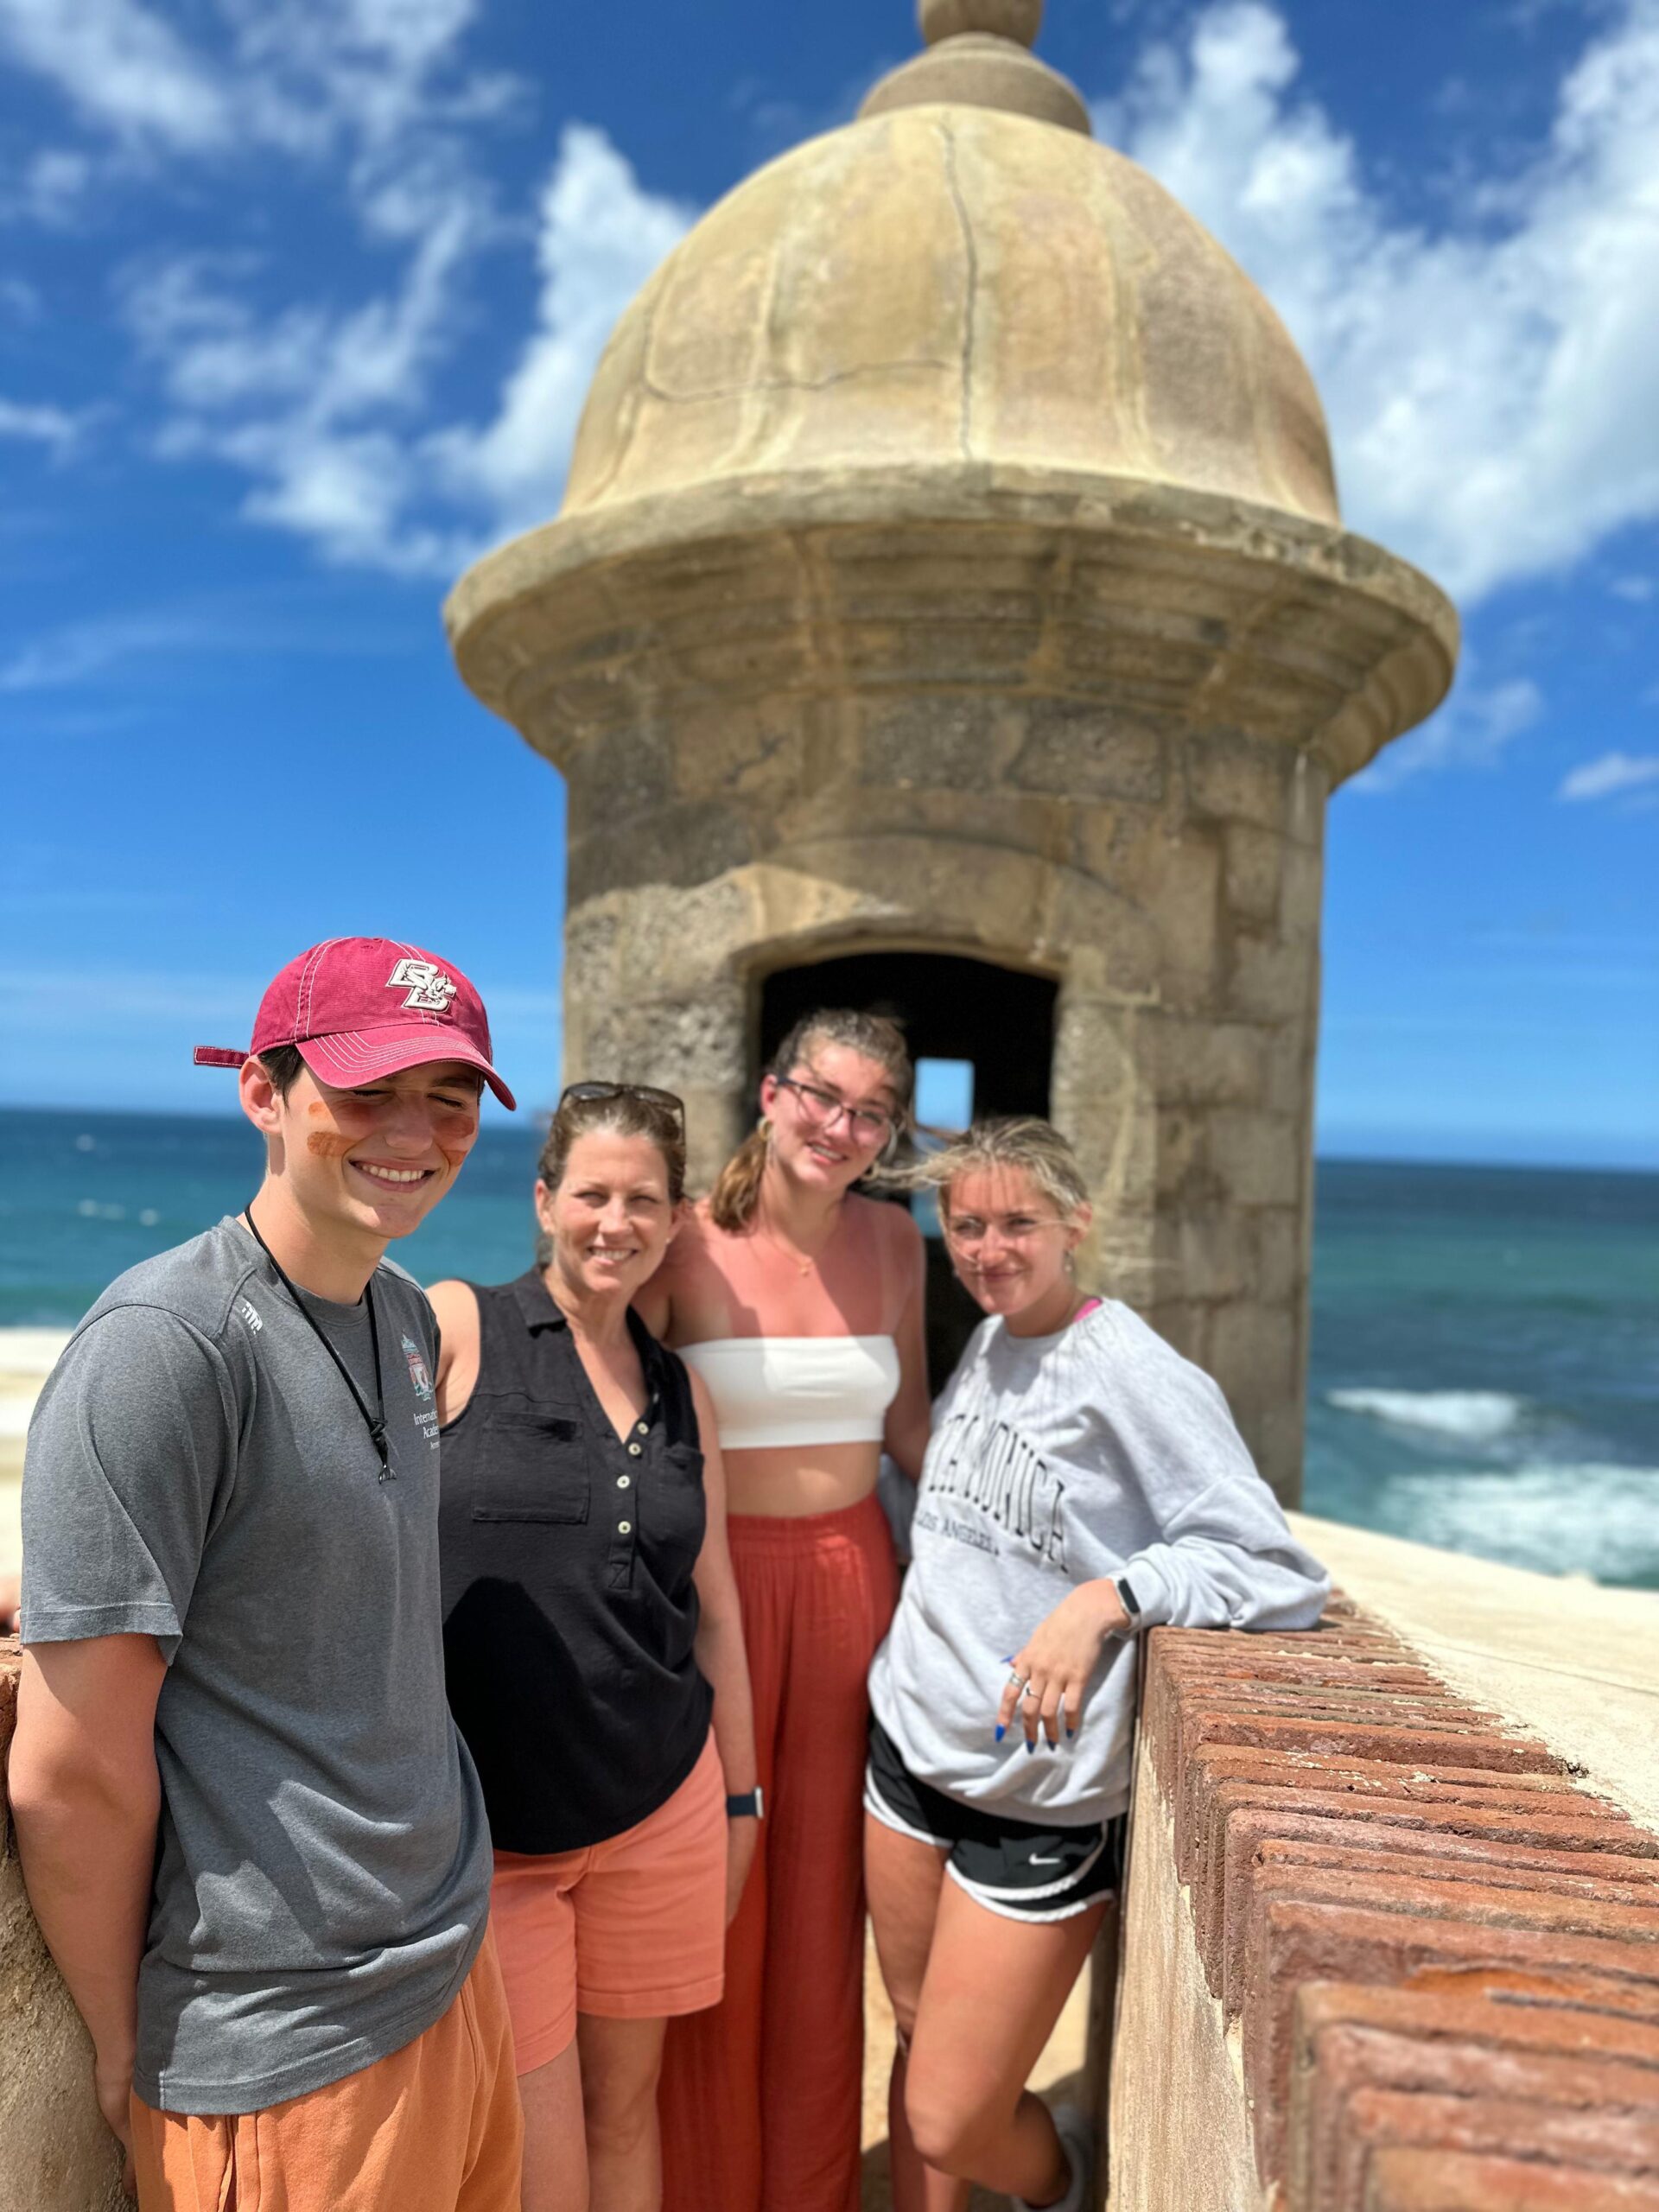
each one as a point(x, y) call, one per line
point(1054, 1461)
point(197, 1471)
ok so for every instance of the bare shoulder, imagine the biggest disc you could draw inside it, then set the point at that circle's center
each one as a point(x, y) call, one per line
point(896, 1228)
point(702, 1246)
point(456, 1305)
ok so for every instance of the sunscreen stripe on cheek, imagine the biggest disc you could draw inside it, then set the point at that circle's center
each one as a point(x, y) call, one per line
point(324, 1144)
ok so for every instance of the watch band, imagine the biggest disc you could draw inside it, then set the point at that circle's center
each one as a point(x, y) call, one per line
point(750, 1807)
point(1131, 1603)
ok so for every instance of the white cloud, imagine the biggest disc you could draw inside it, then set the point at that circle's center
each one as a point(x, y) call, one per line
point(81, 654)
point(84, 649)
point(324, 409)
point(1613, 773)
point(41, 426)
point(1474, 730)
point(297, 74)
point(121, 65)
point(598, 239)
point(52, 190)
point(1488, 376)
point(1490, 380)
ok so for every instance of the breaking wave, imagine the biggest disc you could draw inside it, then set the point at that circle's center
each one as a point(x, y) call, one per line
point(1469, 1416)
point(1589, 1519)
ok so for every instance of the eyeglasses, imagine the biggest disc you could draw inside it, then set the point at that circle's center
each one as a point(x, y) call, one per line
point(822, 1109)
point(966, 1232)
point(647, 1094)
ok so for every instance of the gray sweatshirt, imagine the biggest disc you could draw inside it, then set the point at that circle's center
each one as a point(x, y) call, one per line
point(1054, 1461)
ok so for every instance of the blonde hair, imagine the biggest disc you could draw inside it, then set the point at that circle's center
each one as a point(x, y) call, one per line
point(737, 1189)
point(1023, 1142)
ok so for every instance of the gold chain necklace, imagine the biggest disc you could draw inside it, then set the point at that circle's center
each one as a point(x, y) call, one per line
point(804, 1265)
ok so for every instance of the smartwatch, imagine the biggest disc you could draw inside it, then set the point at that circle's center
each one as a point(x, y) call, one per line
point(1127, 1598)
point(749, 1807)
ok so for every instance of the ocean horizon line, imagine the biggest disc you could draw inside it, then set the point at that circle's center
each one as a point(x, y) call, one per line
point(1334, 1153)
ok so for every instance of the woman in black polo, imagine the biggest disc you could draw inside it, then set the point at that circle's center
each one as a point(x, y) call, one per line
point(594, 1648)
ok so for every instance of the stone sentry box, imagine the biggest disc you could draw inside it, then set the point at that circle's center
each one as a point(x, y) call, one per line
point(950, 567)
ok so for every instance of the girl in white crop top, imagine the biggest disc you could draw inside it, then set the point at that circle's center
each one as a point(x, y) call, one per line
point(788, 1394)
point(799, 1304)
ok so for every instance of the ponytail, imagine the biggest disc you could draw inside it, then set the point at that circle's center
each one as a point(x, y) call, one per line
point(737, 1189)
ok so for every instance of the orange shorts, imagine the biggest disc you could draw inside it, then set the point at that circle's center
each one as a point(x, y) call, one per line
point(632, 1928)
point(434, 2127)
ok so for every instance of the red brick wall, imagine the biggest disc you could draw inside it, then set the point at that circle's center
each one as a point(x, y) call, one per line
point(1441, 1948)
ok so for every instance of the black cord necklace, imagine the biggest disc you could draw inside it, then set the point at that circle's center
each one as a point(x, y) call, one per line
point(375, 1422)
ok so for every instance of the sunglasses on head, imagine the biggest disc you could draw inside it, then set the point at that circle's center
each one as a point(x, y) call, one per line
point(647, 1093)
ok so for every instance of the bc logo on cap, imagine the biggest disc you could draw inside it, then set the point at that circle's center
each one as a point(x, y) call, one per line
point(429, 989)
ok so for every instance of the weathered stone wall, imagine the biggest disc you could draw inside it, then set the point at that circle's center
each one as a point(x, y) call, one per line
point(56, 2155)
point(1177, 900)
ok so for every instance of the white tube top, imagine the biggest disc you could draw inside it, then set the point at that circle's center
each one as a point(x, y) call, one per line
point(787, 1390)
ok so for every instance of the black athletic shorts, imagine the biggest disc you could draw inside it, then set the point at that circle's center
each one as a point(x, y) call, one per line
point(1010, 1867)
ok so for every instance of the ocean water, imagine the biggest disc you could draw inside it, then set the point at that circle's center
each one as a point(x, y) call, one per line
point(1484, 1371)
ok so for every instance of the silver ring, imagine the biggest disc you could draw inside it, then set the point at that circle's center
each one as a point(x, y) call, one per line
point(1021, 1682)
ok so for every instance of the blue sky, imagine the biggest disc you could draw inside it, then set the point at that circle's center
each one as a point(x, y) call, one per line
point(298, 301)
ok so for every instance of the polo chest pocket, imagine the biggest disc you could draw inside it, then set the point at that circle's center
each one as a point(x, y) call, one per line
point(532, 1466)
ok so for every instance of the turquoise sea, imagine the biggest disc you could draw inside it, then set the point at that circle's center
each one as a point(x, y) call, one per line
point(1485, 1356)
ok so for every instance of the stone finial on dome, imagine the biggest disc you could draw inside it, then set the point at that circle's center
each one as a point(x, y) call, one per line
point(978, 55)
point(1018, 19)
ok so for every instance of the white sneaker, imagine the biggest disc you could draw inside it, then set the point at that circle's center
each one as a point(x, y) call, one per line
point(1077, 2137)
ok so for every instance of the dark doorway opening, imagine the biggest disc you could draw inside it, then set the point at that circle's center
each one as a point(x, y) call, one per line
point(998, 1019)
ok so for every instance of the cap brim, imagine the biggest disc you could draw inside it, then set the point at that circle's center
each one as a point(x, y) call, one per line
point(352, 1056)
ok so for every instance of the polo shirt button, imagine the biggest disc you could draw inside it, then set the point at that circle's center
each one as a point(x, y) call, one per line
point(622, 1481)
point(633, 1451)
point(625, 1528)
point(645, 1428)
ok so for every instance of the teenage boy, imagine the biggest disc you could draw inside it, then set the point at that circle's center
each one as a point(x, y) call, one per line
point(250, 1834)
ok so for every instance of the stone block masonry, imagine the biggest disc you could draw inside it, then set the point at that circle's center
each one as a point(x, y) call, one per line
point(56, 2155)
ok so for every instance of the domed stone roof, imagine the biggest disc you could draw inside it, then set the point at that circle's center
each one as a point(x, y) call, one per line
point(955, 399)
point(946, 282)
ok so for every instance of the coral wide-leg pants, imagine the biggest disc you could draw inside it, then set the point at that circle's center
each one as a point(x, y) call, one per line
point(761, 2095)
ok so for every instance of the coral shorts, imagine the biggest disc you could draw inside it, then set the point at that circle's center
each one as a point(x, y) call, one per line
point(631, 1928)
point(434, 2127)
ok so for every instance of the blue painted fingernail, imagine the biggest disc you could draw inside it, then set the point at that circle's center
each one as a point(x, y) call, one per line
point(1030, 1747)
point(1070, 1734)
point(1001, 1733)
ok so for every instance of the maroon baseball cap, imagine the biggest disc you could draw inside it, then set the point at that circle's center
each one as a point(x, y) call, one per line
point(357, 1007)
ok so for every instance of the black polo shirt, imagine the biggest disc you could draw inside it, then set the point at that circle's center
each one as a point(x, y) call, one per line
point(568, 1552)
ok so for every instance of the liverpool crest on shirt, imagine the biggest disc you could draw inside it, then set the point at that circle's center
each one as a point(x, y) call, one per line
point(419, 1373)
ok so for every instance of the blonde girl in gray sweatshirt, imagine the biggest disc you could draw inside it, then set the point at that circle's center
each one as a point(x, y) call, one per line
point(1082, 1482)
